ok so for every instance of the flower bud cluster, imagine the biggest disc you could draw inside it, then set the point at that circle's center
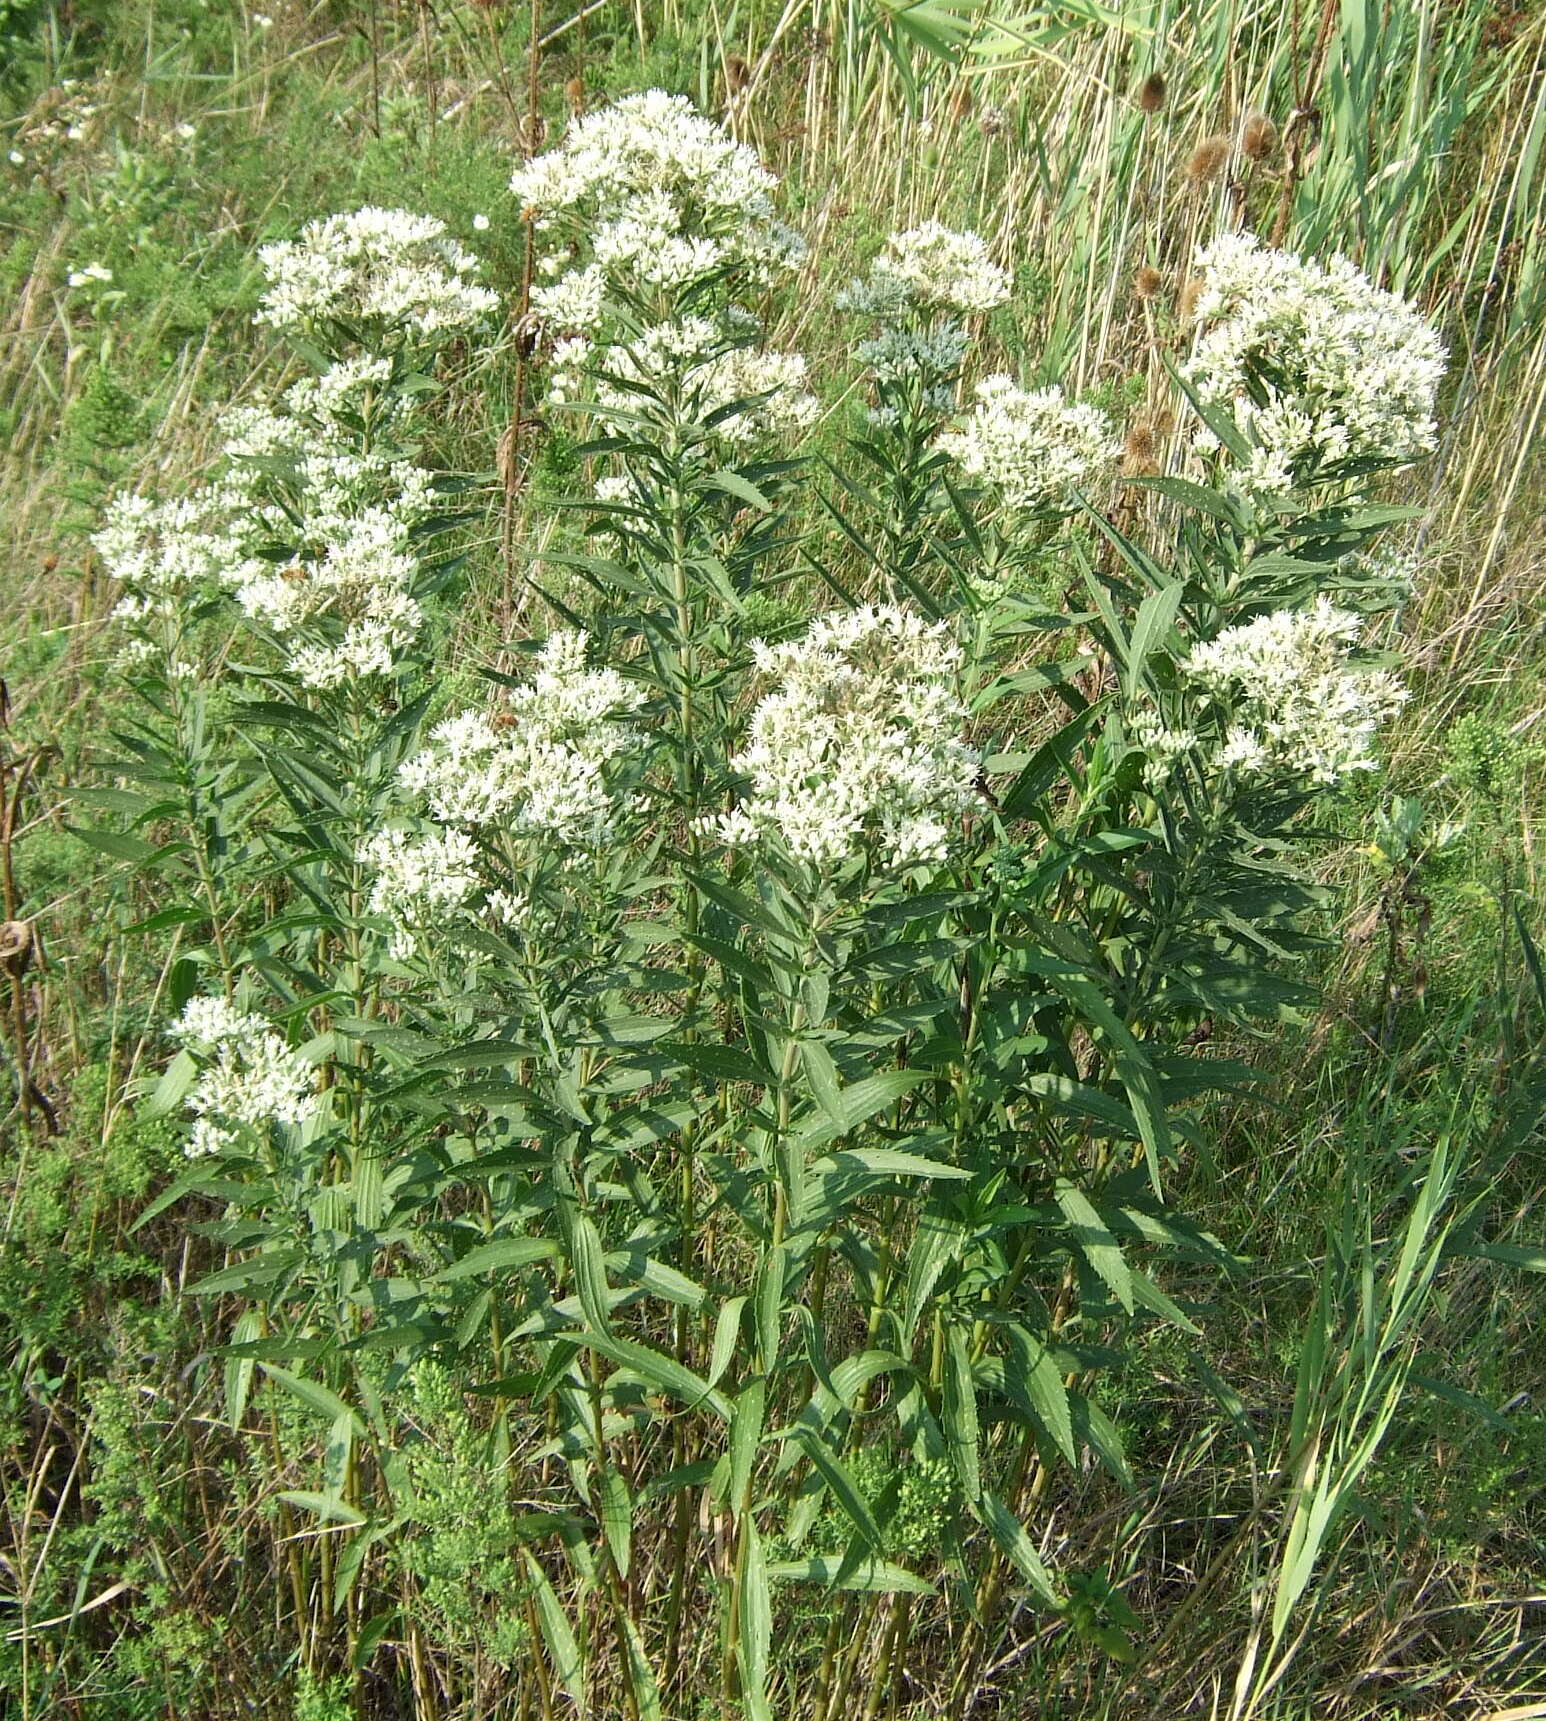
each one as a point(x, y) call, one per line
point(859, 745)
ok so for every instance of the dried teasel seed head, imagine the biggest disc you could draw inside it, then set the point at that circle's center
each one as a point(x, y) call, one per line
point(1186, 303)
point(1147, 282)
point(991, 121)
point(1207, 161)
point(961, 102)
point(1151, 93)
point(737, 73)
point(574, 94)
point(1258, 138)
point(1165, 423)
point(16, 946)
point(1138, 451)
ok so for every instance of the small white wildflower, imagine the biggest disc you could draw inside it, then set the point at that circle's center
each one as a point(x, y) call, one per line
point(249, 1075)
point(1296, 699)
point(1037, 450)
point(385, 267)
point(186, 131)
point(262, 21)
point(480, 224)
point(859, 743)
point(90, 275)
point(1316, 366)
point(17, 159)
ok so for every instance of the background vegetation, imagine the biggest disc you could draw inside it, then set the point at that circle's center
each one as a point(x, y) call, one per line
point(141, 1555)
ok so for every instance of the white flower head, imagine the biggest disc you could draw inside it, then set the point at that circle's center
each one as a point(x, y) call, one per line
point(249, 1076)
point(1316, 366)
point(384, 267)
point(859, 743)
point(1037, 450)
point(1296, 699)
point(936, 268)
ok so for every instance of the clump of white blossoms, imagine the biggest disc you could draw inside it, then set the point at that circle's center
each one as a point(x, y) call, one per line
point(1317, 367)
point(249, 1076)
point(934, 268)
point(1293, 697)
point(1037, 450)
point(688, 366)
point(662, 197)
point(535, 765)
point(387, 268)
point(419, 877)
point(859, 745)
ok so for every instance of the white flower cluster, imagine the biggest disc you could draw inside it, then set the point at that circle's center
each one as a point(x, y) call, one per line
point(1037, 450)
point(343, 604)
point(859, 744)
point(663, 196)
point(385, 267)
point(687, 359)
point(1295, 698)
point(535, 766)
point(419, 877)
point(356, 572)
point(249, 1077)
point(934, 268)
point(1316, 366)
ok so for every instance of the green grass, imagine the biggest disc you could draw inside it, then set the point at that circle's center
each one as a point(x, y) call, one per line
point(148, 1529)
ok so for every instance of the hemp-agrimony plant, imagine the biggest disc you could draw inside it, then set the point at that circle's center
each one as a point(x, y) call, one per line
point(748, 1058)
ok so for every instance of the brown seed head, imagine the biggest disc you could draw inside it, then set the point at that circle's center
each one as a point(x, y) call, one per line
point(991, 121)
point(1258, 138)
point(737, 73)
point(1147, 282)
point(1139, 445)
point(1207, 161)
point(574, 94)
point(50, 562)
point(961, 102)
point(1165, 423)
point(1186, 304)
point(1151, 93)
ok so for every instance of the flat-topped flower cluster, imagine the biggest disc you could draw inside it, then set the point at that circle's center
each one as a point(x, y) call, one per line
point(860, 743)
point(250, 1078)
point(662, 196)
point(386, 269)
point(532, 767)
point(317, 479)
point(1036, 450)
point(1287, 696)
point(1316, 366)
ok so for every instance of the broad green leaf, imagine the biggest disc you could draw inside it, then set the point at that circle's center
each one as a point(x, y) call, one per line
point(827, 1570)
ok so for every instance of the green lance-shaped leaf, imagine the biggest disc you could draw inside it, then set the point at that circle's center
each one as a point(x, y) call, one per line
point(879, 1577)
point(745, 1436)
point(1016, 1546)
point(239, 1369)
point(558, 1634)
point(1095, 1242)
point(756, 1625)
point(960, 1414)
point(1156, 616)
point(660, 1371)
point(616, 1518)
